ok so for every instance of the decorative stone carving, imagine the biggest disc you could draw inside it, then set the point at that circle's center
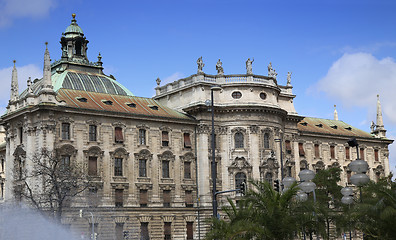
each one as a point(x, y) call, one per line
point(271, 72)
point(289, 78)
point(240, 163)
point(254, 129)
point(200, 64)
point(249, 69)
point(168, 218)
point(238, 129)
point(219, 68)
point(202, 128)
point(144, 219)
point(121, 219)
point(222, 130)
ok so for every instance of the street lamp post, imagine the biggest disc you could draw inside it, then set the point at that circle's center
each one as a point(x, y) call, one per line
point(214, 170)
point(360, 168)
point(347, 198)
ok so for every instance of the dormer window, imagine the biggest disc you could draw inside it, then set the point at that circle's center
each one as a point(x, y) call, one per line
point(304, 123)
point(334, 127)
point(153, 107)
point(107, 102)
point(319, 125)
point(132, 105)
point(82, 99)
point(348, 128)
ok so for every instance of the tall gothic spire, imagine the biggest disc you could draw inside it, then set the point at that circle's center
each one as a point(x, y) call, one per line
point(14, 84)
point(335, 113)
point(47, 83)
point(379, 126)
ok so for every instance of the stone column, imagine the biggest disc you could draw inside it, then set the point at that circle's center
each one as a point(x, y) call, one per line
point(203, 166)
point(254, 154)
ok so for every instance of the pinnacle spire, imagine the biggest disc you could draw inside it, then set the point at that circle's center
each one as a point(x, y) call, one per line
point(379, 126)
point(47, 83)
point(335, 113)
point(14, 84)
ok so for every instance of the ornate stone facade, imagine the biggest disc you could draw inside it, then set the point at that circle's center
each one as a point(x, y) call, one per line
point(149, 161)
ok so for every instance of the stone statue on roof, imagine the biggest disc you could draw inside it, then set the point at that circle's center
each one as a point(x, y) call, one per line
point(289, 78)
point(249, 69)
point(271, 72)
point(200, 64)
point(219, 68)
point(372, 126)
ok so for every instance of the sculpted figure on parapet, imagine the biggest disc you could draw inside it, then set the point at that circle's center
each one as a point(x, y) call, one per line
point(249, 69)
point(219, 68)
point(200, 64)
point(289, 78)
point(271, 71)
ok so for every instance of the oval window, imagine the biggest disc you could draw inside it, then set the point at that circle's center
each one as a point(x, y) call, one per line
point(236, 95)
point(263, 96)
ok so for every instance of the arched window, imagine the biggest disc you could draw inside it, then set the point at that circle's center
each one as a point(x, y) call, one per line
point(239, 178)
point(268, 178)
point(266, 140)
point(238, 140)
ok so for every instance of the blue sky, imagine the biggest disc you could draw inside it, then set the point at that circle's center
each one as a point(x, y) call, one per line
point(340, 52)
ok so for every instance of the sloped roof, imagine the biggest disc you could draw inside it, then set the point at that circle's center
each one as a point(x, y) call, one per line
point(119, 103)
point(330, 127)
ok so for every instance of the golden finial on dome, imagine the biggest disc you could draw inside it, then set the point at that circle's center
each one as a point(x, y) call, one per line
point(74, 16)
point(14, 61)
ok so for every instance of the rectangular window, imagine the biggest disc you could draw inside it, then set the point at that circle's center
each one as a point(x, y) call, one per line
point(187, 170)
point(143, 198)
point(119, 197)
point(118, 167)
point(66, 131)
point(92, 133)
point(142, 137)
point(65, 162)
point(187, 140)
point(347, 153)
point(288, 147)
point(349, 177)
point(301, 149)
point(1, 190)
point(119, 138)
point(190, 232)
point(144, 232)
point(2, 165)
point(167, 231)
point(189, 198)
point(119, 231)
point(92, 166)
point(20, 135)
point(165, 138)
point(165, 169)
point(376, 158)
point(361, 154)
point(142, 168)
point(167, 198)
point(316, 150)
point(332, 152)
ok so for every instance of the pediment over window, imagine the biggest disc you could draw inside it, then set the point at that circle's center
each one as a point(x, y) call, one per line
point(118, 124)
point(144, 154)
point(66, 119)
point(240, 163)
point(167, 155)
point(238, 129)
point(270, 164)
point(143, 126)
point(119, 153)
point(66, 149)
point(94, 151)
point(188, 157)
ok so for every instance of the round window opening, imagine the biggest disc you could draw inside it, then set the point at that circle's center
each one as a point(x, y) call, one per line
point(236, 95)
point(263, 96)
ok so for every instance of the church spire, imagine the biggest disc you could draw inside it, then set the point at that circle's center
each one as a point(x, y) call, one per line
point(47, 83)
point(335, 113)
point(379, 126)
point(14, 84)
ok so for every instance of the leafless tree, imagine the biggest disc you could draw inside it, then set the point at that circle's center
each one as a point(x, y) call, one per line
point(53, 181)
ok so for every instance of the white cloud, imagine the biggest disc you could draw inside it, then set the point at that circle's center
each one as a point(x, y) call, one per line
point(357, 78)
point(11, 9)
point(24, 73)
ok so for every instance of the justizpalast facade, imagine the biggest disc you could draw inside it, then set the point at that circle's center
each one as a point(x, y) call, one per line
point(149, 159)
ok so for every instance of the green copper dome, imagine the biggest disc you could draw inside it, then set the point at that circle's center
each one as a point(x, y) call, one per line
point(73, 28)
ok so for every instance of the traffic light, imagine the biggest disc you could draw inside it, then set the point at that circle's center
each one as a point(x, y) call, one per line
point(276, 185)
point(242, 188)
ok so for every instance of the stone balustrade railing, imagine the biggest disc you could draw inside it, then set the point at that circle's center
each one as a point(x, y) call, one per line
point(216, 79)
